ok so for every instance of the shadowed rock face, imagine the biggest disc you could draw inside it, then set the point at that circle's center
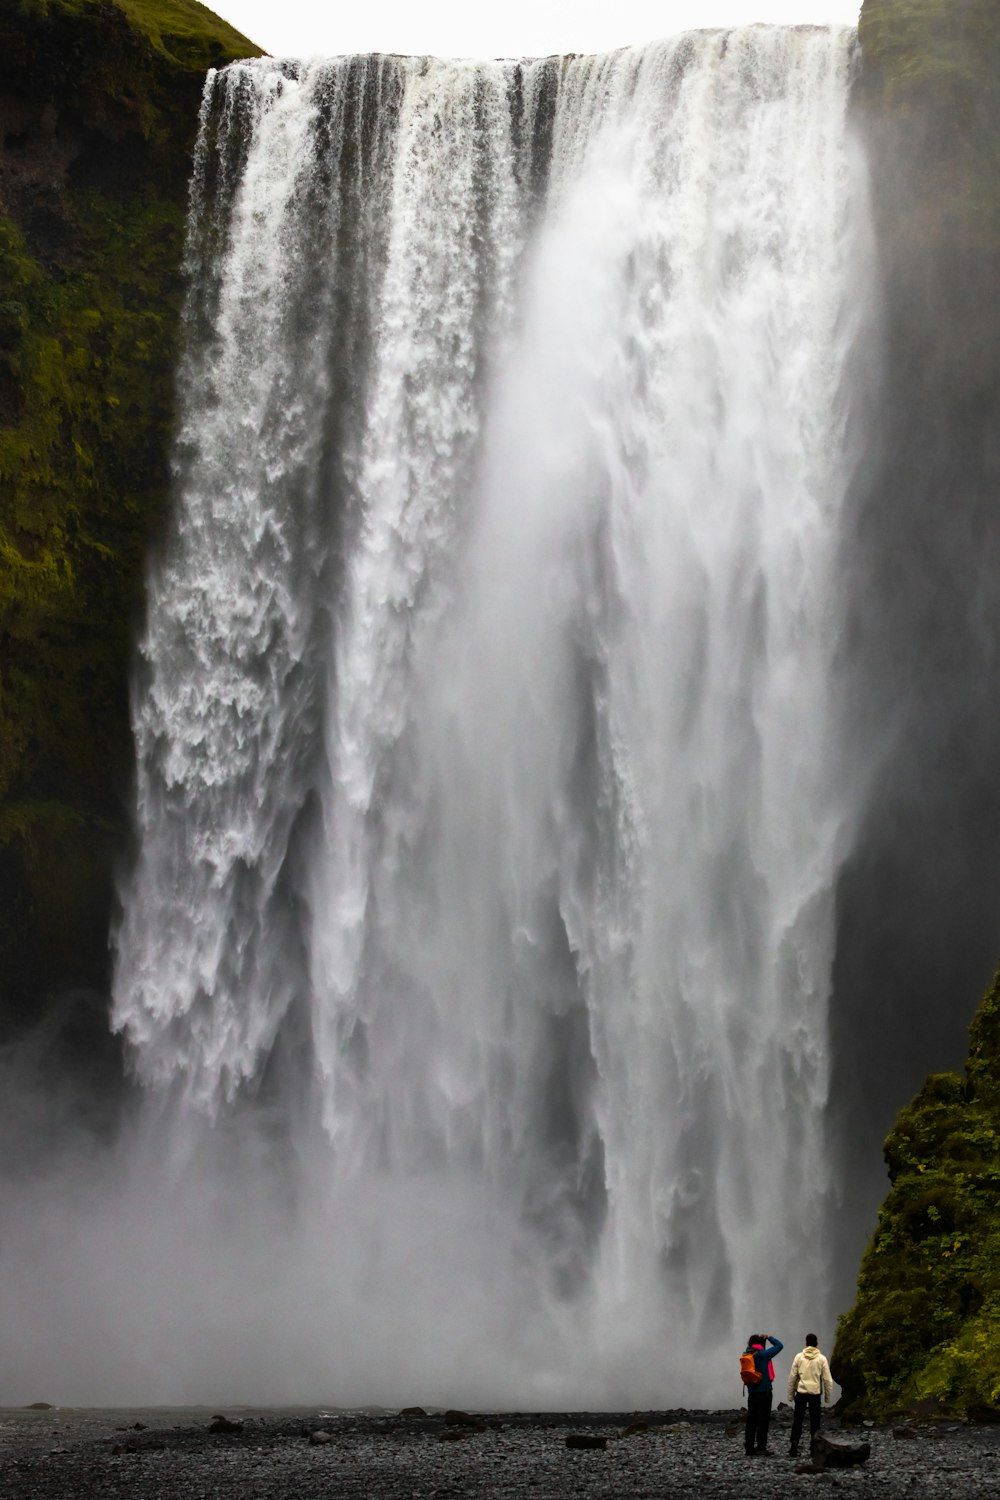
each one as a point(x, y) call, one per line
point(98, 109)
point(917, 937)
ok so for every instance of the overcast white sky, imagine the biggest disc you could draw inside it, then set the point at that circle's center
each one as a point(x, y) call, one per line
point(498, 28)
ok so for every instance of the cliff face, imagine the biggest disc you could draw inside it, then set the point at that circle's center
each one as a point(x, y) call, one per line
point(917, 934)
point(98, 108)
point(918, 908)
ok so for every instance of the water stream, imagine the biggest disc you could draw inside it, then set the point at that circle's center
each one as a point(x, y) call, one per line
point(489, 810)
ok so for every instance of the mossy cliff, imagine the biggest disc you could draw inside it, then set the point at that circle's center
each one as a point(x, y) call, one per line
point(917, 909)
point(918, 937)
point(98, 107)
point(926, 1328)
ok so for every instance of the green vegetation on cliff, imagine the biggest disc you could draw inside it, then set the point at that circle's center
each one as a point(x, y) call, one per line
point(926, 1324)
point(932, 67)
point(98, 108)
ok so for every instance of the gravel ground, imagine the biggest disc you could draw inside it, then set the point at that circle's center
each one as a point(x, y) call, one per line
point(170, 1454)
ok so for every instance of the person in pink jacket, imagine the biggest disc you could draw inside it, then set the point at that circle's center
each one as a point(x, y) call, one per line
point(808, 1380)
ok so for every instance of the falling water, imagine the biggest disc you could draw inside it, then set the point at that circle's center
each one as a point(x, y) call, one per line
point(489, 813)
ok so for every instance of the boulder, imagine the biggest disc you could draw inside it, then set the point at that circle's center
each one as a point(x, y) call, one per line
point(464, 1419)
point(320, 1437)
point(223, 1424)
point(836, 1453)
point(585, 1440)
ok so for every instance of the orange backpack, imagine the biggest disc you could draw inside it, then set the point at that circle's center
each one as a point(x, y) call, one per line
point(749, 1373)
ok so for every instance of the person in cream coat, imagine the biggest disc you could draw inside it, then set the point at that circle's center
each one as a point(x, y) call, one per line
point(808, 1380)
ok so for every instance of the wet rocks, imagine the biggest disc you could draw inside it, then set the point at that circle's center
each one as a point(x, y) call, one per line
point(379, 1456)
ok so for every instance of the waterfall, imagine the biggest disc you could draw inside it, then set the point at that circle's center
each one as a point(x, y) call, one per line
point(489, 809)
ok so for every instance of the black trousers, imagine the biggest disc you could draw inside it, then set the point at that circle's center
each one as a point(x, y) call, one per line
point(802, 1400)
point(758, 1420)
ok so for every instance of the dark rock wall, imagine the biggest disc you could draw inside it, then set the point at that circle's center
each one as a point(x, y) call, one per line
point(919, 904)
point(98, 108)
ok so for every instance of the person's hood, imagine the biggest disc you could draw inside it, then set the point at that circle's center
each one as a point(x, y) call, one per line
point(811, 1352)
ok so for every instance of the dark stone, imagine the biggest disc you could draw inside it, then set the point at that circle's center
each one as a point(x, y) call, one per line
point(834, 1453)
point(412, 1411)
point(980, 1412)
point(585, 1440)
point(223, 1424)
point(905, 1432)
point(452, 1435)
point(634, 1428)
point(465, 1419)
point(320, 1437)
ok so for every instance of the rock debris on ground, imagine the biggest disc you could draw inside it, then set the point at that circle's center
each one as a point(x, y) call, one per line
point(269, 1454)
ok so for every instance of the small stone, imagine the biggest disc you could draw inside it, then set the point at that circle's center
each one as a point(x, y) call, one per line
point(320, 1437)
point(585, 1440)
point(904, 1433)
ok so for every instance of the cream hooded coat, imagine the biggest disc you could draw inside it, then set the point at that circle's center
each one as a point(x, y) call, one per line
point(810, 1374)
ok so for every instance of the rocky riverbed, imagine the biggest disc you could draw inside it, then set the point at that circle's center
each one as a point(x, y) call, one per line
point(297, 1454)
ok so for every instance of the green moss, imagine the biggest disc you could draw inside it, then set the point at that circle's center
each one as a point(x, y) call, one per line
point(188, 32)
point(926, 1323)
point(102, 100)
point(931, 74)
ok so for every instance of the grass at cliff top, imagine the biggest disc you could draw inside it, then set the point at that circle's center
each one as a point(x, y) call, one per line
point(186, 30)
